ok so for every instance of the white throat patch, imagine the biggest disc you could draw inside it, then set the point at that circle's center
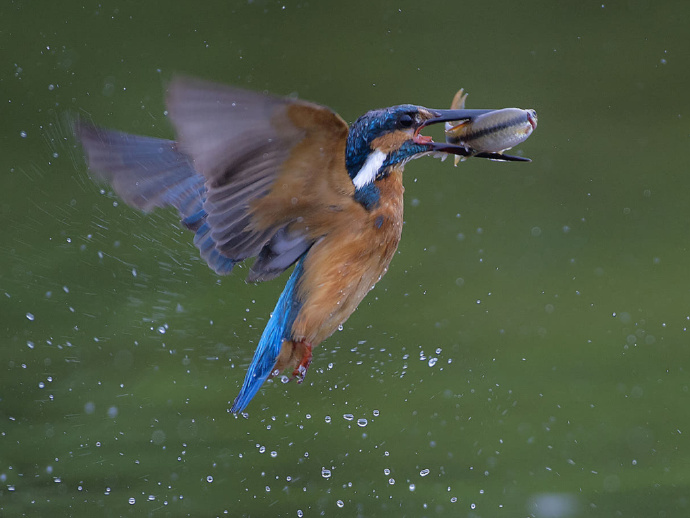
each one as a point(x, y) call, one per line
point(370, 169)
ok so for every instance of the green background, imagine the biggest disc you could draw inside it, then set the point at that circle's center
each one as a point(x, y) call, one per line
point(525, 356)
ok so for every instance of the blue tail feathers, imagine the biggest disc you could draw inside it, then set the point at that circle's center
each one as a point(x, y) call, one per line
point(277, 330)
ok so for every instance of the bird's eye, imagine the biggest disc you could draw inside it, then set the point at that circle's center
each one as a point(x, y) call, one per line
point(405, 120)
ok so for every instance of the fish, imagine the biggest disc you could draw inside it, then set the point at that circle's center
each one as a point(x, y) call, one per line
point(495, 131)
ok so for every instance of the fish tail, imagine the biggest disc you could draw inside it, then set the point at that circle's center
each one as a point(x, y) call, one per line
point(277, 330)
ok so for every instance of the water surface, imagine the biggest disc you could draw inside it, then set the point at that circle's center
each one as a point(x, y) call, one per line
point(526, 354)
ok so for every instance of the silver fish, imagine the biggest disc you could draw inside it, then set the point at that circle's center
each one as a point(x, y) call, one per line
point(492, 132)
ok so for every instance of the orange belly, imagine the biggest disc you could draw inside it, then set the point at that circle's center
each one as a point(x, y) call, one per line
point(344, 265)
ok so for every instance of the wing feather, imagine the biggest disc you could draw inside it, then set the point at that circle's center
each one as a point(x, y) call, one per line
point(245, 145)
point(253, 175)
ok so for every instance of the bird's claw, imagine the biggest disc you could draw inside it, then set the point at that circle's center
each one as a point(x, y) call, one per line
point(301, 371)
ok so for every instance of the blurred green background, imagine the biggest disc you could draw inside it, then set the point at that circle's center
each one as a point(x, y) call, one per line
point(525, 356)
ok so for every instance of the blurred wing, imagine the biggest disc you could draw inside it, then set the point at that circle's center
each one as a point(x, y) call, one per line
point(138, 166)
point(268, 164)
point(148, 173)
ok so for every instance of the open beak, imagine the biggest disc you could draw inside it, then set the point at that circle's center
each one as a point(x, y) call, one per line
point(453, 115)
point(444, 147)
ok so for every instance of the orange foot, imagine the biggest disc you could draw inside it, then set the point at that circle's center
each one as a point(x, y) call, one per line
point(301, 371)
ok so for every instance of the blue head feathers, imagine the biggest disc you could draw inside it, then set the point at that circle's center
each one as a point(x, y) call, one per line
point(371, 126)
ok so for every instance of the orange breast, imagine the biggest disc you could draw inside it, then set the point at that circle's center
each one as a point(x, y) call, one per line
point(345, 264)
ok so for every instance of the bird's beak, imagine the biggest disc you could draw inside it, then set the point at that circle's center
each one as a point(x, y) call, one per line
point(453, 115)
point(445, 147)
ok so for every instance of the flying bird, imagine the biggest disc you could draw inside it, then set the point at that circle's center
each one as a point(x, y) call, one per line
point(286, 182)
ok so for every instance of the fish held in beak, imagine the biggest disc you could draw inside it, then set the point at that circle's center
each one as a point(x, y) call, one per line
point(491, 132)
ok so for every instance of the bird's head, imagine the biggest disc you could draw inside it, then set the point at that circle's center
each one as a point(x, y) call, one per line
point(385, 139)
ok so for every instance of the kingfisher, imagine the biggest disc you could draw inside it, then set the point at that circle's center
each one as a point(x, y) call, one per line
point(283, 181)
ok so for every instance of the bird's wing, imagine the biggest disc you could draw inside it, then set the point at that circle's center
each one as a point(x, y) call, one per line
point(146, 172)
point(271, 165)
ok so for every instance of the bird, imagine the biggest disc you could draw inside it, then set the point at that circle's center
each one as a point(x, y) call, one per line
point(286, 182)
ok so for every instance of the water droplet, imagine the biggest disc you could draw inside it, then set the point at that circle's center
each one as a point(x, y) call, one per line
point(362, 422)
point(340, 327)
point(432, 361)
point(327, 419)
point(340, 503)
point(424, 472)
point(325, 473)
point(30, 316)
point(30, 344)
point(132, 501)
point(376, 413)
point(22, 134)
point(412, 487)
point(348, 417)
point(209, 479)
point(161, 330)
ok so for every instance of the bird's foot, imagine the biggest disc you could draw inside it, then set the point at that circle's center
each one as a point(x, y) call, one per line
point(301, 371)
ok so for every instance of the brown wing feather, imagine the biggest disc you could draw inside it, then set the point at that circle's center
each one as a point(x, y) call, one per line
point(271, 165)
point(312, 182)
